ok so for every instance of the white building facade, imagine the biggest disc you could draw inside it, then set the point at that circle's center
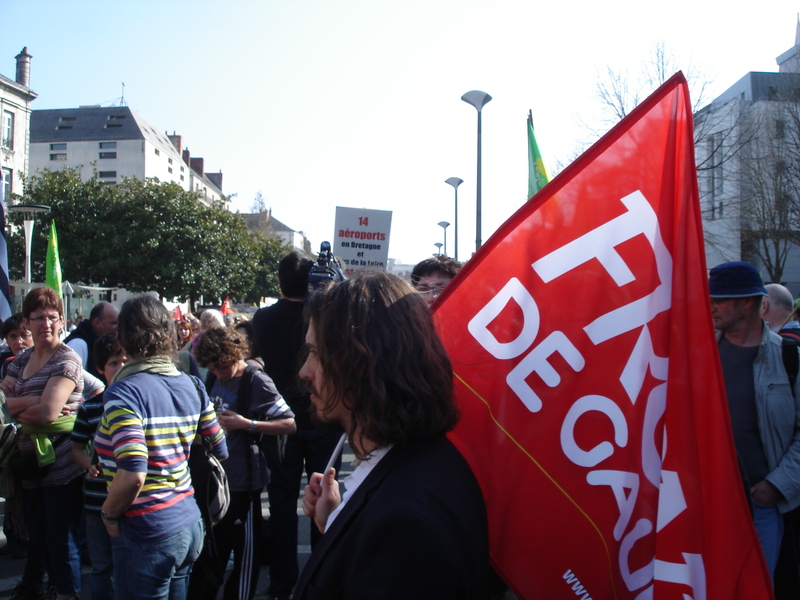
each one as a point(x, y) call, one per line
point(115, 142)
point(748, 158)
point(15, 114)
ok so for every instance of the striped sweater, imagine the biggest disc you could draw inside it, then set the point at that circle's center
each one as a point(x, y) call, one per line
point(148, 426)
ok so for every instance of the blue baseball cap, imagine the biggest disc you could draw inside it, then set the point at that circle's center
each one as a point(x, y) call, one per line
point(735, 279)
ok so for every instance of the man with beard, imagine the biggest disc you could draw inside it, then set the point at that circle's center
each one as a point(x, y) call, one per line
point(377, 370)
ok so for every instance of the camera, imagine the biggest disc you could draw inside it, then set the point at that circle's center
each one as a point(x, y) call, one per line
point(326, 269)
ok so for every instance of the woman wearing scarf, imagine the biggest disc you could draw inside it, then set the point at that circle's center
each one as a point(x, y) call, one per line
point(43, 388)
point(152, 413)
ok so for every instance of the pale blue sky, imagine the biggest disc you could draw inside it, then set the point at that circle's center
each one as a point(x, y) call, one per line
point(319, 103)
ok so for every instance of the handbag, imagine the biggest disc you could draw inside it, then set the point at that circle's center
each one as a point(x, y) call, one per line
point(8, 442)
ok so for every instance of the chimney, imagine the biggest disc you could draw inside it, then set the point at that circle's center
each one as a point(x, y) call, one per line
point(176, 141)
point(24, 68)
point(216, 179)
point(197, 165)
point(185, 155)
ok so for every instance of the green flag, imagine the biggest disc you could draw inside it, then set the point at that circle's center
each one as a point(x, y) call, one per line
point(53, 278)
point(537, 176)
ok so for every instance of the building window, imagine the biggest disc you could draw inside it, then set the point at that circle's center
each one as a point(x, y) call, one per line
point(181, 177)
point(106, 174)
point(61, 127)
point(107, 145)
point(181, 169)
point(59, 156)
point(158, 152)
point(5, 180)
point(113, 125)
point(169, 160)
point(109, 182)
point(116, 117)
point(68, 118)
point(7, 139)
point(60, 146)
point(169, 169)
point(108, 155)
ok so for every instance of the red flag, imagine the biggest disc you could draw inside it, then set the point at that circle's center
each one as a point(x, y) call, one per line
point(177, 313)
point(225, 309)
point(593, 403)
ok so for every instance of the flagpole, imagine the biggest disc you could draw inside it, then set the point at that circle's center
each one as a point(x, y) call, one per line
point(28, 212)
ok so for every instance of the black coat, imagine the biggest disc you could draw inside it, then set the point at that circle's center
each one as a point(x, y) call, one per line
point(415, 528)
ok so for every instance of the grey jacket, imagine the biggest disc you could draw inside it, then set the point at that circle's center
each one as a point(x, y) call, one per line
point(778, 410)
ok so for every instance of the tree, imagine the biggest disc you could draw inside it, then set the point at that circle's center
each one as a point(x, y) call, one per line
point(266, 283)
point(143, 236)
point(768, 176)
point(259, 205)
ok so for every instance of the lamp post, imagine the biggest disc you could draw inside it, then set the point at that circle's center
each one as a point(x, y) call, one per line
point(477, 99)
point(444, 225)
point(455, 182)
point(28, 212)
point(439, 248)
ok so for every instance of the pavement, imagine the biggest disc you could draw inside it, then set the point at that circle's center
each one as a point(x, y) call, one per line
point(11, 568)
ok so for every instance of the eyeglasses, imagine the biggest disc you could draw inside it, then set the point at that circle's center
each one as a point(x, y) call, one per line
point(430, 289)
point(50, 319)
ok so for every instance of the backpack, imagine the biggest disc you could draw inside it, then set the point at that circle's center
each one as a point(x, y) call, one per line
point(273, 447)
point(791, 361)
point(209, 479)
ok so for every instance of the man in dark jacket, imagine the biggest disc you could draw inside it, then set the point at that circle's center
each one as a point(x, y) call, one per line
point(102, 320)
point(412, 522)
point(279, 337)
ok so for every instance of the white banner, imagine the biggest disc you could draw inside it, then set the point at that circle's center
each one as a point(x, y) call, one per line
point(361, 239)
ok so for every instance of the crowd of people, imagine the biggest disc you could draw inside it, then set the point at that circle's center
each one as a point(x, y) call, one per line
point(108, 415)
point(101, 470)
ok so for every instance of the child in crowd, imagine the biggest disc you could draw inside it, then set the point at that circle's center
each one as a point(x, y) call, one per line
point(18, 339)
point(109, 358)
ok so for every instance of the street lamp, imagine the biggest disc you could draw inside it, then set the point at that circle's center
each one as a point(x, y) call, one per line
point(439, 247)
point(444, 225)
point(455, 182)
point(28, 212)
point(477, 99)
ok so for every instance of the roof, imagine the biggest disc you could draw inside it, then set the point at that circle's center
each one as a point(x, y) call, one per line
point(90, 123)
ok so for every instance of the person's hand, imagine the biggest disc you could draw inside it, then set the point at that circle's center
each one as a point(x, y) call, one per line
point(230, 421)
point(321, 497)
point(93, 471)
point(112, 527)
point(6, 389)
point(764, 493)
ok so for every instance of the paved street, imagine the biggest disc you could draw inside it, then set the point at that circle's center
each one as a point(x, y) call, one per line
point(11, 568)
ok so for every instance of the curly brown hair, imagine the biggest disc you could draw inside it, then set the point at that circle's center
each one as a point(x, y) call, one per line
point(382, 358)
point(220, 346)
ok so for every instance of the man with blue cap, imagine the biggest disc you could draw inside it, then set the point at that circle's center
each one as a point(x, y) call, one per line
point(765, 413)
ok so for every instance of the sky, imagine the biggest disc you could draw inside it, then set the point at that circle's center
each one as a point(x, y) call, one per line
point(324, 103)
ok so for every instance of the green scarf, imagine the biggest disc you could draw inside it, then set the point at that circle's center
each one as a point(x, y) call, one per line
point(43, 446)
point(158, 365)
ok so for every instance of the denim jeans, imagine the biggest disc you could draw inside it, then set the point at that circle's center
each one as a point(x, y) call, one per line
point(157, 570)
point(769, 526)
point(101, 552)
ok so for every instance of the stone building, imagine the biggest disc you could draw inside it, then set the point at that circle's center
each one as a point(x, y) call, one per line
point(15, 112)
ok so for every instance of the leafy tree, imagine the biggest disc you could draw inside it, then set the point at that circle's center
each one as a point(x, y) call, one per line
point(266, 285)
point(143, 236)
